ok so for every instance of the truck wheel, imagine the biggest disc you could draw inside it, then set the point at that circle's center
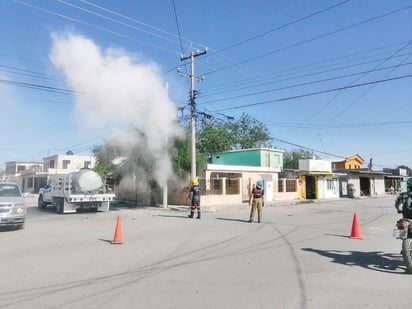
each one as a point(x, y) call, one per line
point(60, 206)
point(40, 202)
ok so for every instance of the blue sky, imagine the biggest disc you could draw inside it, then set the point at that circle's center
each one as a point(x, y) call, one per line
point(332, 76)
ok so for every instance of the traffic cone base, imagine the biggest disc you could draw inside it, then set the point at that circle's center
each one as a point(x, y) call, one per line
point(118, 238)
point(356, 232)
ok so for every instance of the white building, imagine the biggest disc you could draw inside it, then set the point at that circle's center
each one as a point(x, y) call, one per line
point(33, 175)
point(316, 180)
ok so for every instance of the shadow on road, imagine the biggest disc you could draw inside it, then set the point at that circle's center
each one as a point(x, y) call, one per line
point(230, 219)
point(174, 216)
point(375, 260)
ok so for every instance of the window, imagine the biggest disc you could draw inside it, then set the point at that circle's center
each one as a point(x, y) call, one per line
point(216, 186)
point(232, 185)
point(330, 184)
point(280, 185)
point(66, 164)
point(291, 185)
point(20, 168)
point(51, 164)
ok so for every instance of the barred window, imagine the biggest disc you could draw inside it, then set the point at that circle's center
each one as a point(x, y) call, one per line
point(216, 186)
point(232, 186)
point(331, 184)
point(232, 183)
point(280, 185)
point(291, 185)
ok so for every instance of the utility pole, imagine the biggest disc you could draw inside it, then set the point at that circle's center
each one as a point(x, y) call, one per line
point(192, 101)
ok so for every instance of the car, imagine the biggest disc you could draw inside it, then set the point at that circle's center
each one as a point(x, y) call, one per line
point(12, 208)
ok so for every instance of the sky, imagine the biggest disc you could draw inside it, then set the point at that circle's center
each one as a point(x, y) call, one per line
point(330, 76)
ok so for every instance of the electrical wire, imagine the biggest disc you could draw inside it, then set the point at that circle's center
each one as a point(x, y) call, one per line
point(310, 39)
point(283, 26)
point(316, 93)
point(93, 26)
point(308, 83)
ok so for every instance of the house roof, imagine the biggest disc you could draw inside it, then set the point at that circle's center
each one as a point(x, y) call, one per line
point(241, 168)
point(250, 149)
point(360, 171)
point(355, 157)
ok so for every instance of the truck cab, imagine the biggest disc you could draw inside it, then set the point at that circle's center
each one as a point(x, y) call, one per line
point(45, 198)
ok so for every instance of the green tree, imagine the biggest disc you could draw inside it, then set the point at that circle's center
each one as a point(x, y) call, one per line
point(247, 132)
point(214, 137)
point(250, 133)
point(291, 158)
point(181, 156)
point(105, 154)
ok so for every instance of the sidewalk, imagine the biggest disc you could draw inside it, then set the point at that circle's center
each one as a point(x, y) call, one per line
point(216, 208)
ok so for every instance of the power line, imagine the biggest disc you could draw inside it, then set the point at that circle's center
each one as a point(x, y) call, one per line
point(316, 93)
point(93, 26)
point(310, 39)
point(283, 26)
point(38, 87)
point(293, 77)
point(371, 87)
point(309, 83)
point(339, 126)
point(142, 23)
point(324, 63)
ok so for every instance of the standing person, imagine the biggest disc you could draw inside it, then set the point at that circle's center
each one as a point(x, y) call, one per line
point(194, 196)
point(405, 198)
point(257, 201)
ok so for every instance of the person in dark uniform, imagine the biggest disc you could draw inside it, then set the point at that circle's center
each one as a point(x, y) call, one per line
point(256, 200)
point(194, 195)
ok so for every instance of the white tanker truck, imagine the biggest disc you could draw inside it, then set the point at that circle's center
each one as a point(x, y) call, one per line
point(79, 190)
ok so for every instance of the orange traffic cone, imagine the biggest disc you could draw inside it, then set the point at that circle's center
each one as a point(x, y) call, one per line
point(118, 238)
point(356, 232)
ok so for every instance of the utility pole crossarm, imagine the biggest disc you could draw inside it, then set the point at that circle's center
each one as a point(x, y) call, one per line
point(192, 101)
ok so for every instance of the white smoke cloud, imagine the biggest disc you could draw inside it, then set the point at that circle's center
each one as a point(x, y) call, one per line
point(112, 88)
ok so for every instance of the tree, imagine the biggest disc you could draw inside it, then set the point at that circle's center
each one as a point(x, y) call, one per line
point(291, 158)
point(214, 137)
point(105, 154)
point(181, 156)
point(247, 132)
point(250, 133)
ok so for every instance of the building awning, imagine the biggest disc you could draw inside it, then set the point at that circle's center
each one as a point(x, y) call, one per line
point(322, 173)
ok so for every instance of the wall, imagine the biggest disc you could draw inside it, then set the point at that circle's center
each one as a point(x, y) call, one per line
point(330, 190)
point(263, 157)
point(76, 163)
point(310, 165)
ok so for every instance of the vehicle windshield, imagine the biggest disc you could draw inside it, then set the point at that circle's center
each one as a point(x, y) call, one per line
point(9, 190)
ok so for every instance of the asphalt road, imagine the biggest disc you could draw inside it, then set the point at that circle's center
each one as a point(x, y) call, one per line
point(299, 257)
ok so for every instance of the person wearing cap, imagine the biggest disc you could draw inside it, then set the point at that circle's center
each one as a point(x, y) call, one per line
point(256, 200)
point(194, 196)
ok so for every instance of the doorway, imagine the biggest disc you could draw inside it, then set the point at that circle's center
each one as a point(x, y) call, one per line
point(365, 186)
point(310, 187)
